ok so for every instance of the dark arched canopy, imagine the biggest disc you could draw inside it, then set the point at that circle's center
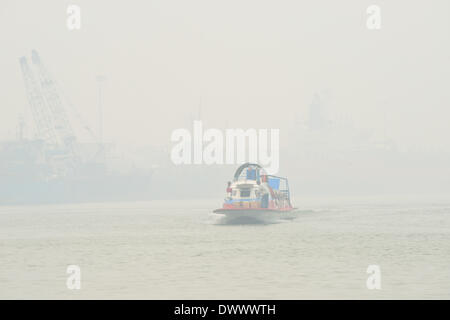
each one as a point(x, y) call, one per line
point(244, 166)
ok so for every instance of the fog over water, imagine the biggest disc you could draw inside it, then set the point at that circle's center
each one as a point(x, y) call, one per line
point(353, 105)
point(363, 139)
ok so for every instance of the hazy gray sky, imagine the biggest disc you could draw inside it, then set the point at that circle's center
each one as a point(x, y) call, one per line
point(250, 63)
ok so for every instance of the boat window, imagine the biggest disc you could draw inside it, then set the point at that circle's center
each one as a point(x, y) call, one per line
point(245, 193)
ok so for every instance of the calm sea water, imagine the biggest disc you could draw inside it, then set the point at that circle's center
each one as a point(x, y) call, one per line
point(179, 250)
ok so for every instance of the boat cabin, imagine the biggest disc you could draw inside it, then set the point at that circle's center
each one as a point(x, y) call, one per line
point(253, 188)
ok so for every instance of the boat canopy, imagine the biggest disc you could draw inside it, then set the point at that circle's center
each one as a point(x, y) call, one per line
point(249, 171)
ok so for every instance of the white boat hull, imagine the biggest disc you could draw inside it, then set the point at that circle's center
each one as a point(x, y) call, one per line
point(256, 215)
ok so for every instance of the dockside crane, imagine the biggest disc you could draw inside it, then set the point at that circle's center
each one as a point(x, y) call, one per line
point(38, 106)
point(61, 124)
point(52, 122)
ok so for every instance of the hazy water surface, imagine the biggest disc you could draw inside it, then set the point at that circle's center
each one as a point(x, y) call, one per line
point(171, 250)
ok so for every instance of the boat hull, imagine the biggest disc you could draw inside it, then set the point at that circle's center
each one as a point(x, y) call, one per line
point(257, 215)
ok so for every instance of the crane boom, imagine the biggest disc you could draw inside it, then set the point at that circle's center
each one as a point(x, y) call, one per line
point(61, 122)
point(39, 109)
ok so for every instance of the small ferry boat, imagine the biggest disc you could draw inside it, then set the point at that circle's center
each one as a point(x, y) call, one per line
point(255, 195)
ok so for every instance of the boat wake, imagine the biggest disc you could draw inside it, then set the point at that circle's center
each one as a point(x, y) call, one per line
point(244, 221)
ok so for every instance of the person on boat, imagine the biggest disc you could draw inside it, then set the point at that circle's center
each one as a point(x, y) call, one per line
point(229, 190)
